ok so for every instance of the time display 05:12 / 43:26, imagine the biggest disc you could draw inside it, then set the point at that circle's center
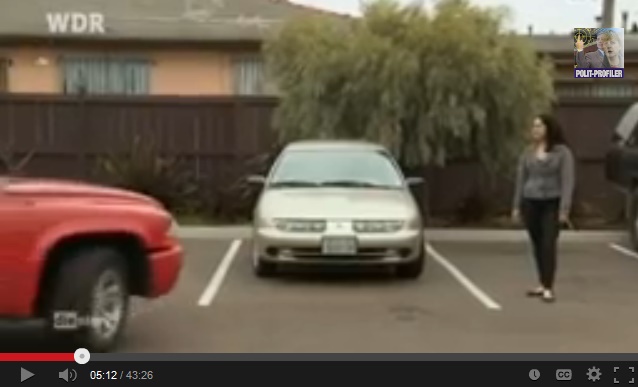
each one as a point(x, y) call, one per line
point(121, 375)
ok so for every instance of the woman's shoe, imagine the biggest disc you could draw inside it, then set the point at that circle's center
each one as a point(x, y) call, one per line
point(535, 292)
point(548, 296)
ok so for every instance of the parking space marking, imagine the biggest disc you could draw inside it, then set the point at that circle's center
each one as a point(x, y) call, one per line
point(624, 250)
point(218, 277)
point(479, 294)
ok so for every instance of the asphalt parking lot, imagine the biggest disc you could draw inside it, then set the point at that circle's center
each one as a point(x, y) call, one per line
point(470, 299)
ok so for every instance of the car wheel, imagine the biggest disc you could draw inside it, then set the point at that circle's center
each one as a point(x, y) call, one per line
point(261, 267)
point(92, 285)
point(412, 270)
point(632, 218)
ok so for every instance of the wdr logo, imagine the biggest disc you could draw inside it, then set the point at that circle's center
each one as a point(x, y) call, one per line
point(75, 23)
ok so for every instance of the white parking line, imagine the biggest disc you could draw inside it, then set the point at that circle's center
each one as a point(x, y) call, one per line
point(624, 250)
point(218, 277)
point(488, 302)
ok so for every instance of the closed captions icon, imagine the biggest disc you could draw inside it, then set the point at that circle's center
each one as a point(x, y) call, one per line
point(564, 374)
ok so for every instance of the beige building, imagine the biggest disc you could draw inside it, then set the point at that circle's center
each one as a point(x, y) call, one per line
point(159, 47)
point(110, 69)
point(187, 47)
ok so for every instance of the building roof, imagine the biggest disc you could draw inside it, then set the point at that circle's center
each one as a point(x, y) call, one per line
point(189, 20)
point(160, 20)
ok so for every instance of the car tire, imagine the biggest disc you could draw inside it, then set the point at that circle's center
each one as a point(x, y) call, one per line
point(86, 279)
point(263, 268)
point(412, 270)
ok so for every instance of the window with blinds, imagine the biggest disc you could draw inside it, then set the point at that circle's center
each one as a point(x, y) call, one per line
point(250, 76)
point(105, 75)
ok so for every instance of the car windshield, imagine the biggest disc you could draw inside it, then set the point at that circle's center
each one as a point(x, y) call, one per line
point(336, 168)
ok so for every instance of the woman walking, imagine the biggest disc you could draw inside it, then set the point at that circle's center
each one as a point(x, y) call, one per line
point(543, 197)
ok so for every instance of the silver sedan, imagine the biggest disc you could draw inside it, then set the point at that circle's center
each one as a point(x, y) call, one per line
point(337, 203)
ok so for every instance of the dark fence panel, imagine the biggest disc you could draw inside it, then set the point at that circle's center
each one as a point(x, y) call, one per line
point(588, 125)
point(218, 135)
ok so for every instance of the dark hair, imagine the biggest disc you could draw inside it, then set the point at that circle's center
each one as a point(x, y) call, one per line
point(554, 133)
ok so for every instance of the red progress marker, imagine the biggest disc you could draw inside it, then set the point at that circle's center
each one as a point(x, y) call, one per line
point(27, 357)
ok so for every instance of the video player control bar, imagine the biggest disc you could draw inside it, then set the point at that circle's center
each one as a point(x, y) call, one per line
point(323, 373)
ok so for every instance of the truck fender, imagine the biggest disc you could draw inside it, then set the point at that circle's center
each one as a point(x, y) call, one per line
point(49, 239)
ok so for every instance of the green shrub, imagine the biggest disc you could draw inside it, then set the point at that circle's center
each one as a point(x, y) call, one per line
point(476, 207)
point(145, 170)
point(234, 202)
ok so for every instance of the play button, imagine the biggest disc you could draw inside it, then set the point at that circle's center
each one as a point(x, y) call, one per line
point(24, 375)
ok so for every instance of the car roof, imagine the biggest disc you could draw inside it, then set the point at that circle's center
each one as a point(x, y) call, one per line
point(322, 145)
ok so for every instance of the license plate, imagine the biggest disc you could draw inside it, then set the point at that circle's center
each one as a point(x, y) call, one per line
point(339, 246)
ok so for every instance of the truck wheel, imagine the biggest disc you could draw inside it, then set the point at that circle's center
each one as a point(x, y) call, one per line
point(92, 285)
point(413, 269)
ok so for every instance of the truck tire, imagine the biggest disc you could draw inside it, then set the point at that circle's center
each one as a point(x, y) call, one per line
point(92, 284)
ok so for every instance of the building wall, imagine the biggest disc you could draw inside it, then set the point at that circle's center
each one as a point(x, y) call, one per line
point(27, 75)
point(174, 71)
point(207, 70)
point(191, 72)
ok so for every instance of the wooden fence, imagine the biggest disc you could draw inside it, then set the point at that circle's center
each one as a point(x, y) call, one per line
point(218, 134)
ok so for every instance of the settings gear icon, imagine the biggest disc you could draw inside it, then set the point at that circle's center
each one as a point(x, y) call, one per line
point(593, 374)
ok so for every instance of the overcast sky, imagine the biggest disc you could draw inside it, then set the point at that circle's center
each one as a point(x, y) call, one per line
point(558, 16)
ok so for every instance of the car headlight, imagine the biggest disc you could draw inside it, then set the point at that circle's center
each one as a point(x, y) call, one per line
point(300, 225)
point(378, 226)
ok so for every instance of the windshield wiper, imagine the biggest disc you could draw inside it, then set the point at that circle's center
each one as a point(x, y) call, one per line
point(293, 184)
point(353, 184)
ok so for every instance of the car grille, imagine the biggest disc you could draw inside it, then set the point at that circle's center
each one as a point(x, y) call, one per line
point(363, 253)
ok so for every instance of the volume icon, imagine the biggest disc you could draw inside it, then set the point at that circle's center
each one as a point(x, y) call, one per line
point(67, 375)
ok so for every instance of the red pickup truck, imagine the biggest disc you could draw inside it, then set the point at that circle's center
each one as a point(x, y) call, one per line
point(74, 253)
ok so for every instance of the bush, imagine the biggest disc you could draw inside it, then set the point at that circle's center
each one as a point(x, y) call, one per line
point(143, 169)
point(236, 201)
point(11, 165)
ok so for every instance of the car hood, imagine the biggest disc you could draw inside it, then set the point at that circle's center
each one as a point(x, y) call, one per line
point(33, 187)
point(337, 203)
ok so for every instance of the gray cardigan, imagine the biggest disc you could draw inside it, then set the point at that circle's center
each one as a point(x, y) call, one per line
point(551, 178)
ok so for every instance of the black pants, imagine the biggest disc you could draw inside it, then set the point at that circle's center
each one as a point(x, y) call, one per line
point(542, 220)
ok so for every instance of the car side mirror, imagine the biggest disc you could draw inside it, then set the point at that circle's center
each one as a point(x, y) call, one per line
point(412, 181)
point(256, 180)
